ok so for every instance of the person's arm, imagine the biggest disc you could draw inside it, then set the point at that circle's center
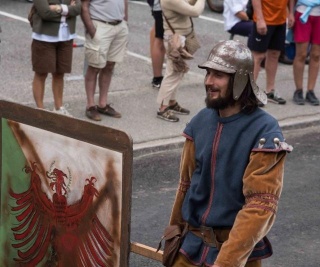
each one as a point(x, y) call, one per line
point(73, 9)
point(291, 5)
point(187, 167)
point(262, 186)
point(86, 18)
point(242, 15)
point(46, 11)
point(184, 8)
point(126, 10)
point(261, 24)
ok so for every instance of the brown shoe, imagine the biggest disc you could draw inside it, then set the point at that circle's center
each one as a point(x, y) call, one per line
point(93, 114)
point(109, 111)
point(176, 108)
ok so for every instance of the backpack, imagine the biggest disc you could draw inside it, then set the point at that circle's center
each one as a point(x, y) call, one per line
point(30, 15)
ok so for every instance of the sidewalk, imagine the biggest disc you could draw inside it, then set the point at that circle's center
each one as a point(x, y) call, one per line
point(136, 100)
point(132, 94)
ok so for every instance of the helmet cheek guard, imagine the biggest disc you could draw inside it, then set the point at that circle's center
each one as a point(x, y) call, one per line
point(235, 57)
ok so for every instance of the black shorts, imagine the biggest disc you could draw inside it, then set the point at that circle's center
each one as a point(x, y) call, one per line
point(158, 21)
point(274, 39)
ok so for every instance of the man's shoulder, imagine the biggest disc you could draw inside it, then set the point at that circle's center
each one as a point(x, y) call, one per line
point(265, 116)
point(264, 122)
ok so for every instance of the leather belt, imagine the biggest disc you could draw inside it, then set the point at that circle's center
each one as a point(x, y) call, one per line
point(210, 236)
point(113, 23)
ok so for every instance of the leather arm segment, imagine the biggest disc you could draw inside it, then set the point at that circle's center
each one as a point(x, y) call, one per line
point(187, 167)
point(262, 185)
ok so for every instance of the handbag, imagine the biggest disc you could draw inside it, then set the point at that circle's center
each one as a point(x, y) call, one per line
point(173, 237)
point(192, 44)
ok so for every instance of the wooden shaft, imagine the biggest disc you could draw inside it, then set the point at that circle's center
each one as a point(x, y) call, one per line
point(146, 251)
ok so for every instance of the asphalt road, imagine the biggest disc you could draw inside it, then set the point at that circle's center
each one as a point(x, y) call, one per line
point(16, 41)
point(295, 236)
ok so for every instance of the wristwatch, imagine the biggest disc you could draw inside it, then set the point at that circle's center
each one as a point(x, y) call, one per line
point(58, 9)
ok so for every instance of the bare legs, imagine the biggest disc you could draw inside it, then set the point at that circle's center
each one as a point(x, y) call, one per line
point(299, 64)
point(38, 88)
point(271, 66)
point(157, 52)
point(104, 81)
point(57, 88)
point(298, 71)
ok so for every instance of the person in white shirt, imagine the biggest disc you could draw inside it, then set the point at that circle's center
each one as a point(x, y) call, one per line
point(236, 20)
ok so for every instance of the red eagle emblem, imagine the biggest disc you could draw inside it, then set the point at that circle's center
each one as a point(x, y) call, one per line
point(55, 234)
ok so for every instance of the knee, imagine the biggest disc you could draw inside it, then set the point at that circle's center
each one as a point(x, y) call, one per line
point(109, 66)
point(315, 57)
point(301, 56)
point(159, 42)
point(57, 76)
point(41, 76)
point(258, 57)
point(274, 54)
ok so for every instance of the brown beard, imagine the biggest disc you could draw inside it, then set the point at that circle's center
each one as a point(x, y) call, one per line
point(221, 102)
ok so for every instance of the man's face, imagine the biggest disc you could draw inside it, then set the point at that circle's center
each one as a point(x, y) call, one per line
point(218, 94)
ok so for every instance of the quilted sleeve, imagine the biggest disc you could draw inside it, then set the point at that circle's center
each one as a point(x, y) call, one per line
point(262, 185)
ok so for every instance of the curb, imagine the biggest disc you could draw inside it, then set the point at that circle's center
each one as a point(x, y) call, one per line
point(161, 145)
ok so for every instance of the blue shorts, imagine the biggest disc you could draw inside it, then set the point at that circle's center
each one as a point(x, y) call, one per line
point(274, 39)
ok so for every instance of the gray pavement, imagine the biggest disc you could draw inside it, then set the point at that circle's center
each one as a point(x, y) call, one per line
point(131, 92)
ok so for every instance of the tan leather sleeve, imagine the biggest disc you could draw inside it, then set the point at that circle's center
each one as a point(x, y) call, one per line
point(187, 167)
point(262, 185)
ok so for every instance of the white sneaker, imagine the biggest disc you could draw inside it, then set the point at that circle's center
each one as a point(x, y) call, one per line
point(62, 110)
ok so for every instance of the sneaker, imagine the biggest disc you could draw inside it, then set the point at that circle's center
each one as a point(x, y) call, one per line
point(273, 97)
point(93, 114)
point(167, 115)
point(311, 98)
point(109, 111)
point(156, 81)
point(176, 108)
point(62, 110)
point(298, 97)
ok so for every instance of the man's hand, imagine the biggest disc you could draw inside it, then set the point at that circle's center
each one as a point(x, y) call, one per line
point(290, 21)
point(262, 27)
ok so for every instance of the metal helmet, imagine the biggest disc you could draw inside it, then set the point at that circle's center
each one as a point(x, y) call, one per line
point(234, 57)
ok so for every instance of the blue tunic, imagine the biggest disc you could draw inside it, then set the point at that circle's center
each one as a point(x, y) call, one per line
point(223, 147)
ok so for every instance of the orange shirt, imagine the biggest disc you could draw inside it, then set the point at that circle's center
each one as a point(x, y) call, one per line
point(274, 11)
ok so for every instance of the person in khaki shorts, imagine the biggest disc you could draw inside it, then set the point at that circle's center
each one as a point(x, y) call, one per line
point(105, 45)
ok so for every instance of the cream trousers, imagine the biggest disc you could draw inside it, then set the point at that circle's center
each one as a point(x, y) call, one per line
point(170, 83)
